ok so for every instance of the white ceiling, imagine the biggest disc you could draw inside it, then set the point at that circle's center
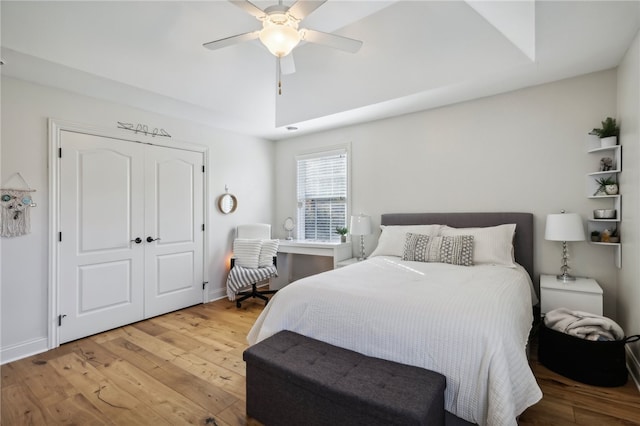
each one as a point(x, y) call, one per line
point(416, 55)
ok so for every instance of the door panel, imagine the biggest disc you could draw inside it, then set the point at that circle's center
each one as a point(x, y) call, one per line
point(103, 286)
point(175, 200)
point(175, 272)
point(104, 200)
point(175, 215)
point(99, 215)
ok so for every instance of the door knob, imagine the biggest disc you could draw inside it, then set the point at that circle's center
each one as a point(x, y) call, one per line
point(137, 240)
point(150, 239)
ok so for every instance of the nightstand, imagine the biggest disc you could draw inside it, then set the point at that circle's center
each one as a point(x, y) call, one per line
point(583, 294)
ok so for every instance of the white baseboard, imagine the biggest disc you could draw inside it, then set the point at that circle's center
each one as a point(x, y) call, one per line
point(633, 365)
point(217, 294)
point(23, 350)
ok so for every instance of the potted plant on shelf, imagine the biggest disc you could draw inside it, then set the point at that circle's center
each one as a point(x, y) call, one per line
point(342, 231)
point(606, 186)
point(608, 133)
point(595, 236)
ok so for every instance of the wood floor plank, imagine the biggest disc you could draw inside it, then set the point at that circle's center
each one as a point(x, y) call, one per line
point(186, 367)
point(226, 359)
point(228, 380)
point(200, 391)
point(168, 403)
point(21, 407)
point(235, 414)
point(96, 387)
point(48, 386)
point(112, 401)
point(77, 410)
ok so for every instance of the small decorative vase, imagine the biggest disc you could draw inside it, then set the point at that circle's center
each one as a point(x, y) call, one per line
point(611, 189)
point(593, 141)
point(609, 142)
point(343, 238)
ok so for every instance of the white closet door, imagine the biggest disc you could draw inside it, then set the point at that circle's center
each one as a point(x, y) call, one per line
point(101, 210)
point(132, 246)
point(174, 216)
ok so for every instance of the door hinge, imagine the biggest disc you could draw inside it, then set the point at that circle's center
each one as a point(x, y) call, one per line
point(60, 319)
point(203, 226)
point(59, 152)
point(60, 236)
point(202, 169)
point(204, 284)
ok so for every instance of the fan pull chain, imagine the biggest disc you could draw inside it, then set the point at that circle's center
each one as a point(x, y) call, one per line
point(279, 72)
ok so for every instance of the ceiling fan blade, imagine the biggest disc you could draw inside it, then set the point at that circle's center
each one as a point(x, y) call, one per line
point(332, 40)
point(249, 7)
point(228, 41)
point(303, 8)
point(287, 65)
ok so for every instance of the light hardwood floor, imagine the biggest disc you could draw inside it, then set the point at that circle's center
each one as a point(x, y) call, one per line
point(186, 367)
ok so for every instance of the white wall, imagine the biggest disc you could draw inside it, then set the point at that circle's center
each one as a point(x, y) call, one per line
point(629, 116)
point(519, 151)
point(242, 162)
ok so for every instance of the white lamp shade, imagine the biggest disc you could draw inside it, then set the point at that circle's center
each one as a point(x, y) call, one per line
point(564, 227)
point(360, 225)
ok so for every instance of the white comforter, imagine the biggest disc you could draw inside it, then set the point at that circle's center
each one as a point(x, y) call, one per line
point(469, 323)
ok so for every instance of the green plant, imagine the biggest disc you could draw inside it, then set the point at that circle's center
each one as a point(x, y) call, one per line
point(609, 128)
point(604, 181)
point(341, 230)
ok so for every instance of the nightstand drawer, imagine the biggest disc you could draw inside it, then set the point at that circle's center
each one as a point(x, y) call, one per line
point(584, 294)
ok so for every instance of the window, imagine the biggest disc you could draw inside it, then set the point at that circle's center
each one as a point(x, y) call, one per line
point(322, 195)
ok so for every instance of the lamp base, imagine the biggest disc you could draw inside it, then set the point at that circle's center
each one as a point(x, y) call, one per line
point(565, 277)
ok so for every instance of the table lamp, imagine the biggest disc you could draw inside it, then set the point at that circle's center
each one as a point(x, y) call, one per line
point(564, 227)
point(361, 225)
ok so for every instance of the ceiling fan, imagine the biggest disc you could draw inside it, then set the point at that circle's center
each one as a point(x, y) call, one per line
point(280, 33)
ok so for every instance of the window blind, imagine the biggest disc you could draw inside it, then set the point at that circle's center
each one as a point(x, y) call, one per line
point(322, 195)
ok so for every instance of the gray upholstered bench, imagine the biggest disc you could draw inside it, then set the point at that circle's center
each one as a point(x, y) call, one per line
point(296, 380)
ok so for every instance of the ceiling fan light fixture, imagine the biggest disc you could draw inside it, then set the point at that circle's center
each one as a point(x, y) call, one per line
point(280, 34)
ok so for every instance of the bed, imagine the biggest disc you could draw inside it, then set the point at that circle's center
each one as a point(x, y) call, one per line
point(470, 323)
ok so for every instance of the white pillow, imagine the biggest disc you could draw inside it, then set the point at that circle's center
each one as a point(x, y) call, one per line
point(392, 238)
point(247, 252)
point(491, 245)
point(268, 250)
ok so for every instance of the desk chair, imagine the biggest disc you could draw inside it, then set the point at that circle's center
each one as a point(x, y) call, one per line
point(254, 261)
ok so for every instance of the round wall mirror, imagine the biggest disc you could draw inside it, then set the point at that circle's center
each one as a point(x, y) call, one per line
point(227, 203)
point(288, 226)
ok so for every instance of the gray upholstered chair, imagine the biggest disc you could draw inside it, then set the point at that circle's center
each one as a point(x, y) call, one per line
point(254, 261)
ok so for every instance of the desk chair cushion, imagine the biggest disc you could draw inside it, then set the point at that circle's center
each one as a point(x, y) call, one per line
point(268, 250)
point(247, 252)
point(252, 253)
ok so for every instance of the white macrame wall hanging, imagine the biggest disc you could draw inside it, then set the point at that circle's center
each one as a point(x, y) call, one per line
point(15, 196)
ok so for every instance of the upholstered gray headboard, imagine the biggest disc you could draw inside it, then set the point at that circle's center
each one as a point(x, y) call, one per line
point(523, 240)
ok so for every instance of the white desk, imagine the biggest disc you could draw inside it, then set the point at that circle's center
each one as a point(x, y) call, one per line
point(287, 249)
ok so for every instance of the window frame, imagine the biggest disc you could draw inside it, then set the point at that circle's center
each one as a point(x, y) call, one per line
point(325, 152)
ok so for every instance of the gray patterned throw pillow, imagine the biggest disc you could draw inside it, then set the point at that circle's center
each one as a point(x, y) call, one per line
point(456, 250)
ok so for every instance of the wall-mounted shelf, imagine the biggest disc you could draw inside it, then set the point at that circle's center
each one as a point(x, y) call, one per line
point(605, 201)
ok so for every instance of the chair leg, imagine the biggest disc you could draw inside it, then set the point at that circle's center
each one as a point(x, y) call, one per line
point(255, 294)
